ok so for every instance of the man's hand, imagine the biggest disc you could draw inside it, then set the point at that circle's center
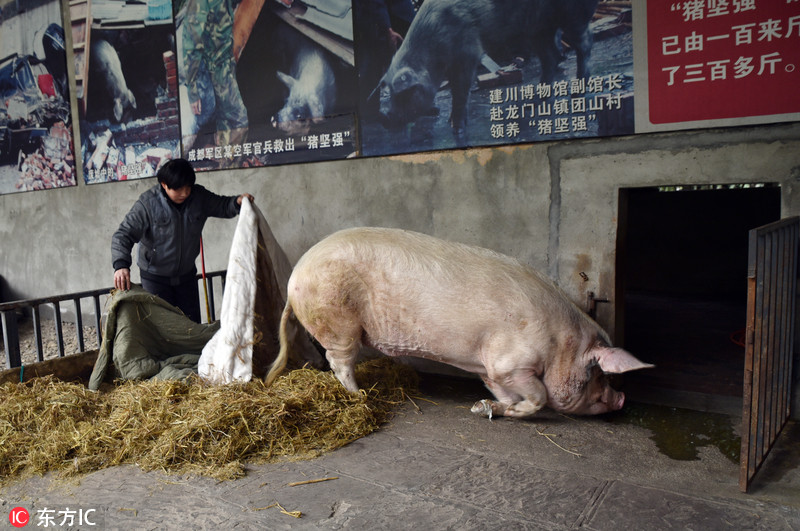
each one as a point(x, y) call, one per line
point(122, 278)
point(248, 196)
point(395, 39)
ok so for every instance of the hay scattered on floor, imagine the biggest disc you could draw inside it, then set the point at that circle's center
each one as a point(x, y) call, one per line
point(191, 427)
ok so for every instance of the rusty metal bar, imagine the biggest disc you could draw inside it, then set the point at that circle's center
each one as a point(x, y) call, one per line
point(213, 316)
point(37, 333)
point(791, 257)
point(59, 328)
point(210, 277)
point(782, 363)
point(11, 337)
point(97, 320)
point(771, 303)
point(781, 339)
point(745, 456)
point(79, 325)
point(768, 356)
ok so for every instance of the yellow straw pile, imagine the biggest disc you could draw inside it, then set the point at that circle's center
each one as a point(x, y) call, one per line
point(191, 427)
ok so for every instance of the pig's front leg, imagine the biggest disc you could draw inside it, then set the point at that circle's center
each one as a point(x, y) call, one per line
point(521, 396)
point(461, 75)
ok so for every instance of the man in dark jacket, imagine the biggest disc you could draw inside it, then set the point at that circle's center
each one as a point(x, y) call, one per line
point(167, 222)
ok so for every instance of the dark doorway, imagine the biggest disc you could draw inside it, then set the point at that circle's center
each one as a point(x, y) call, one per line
point(682, 280)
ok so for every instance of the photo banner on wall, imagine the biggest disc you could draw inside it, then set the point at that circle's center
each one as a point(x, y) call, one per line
point(250, 83)
point(266, 82)
point(488, 73)
point(126, 78)
point(36, 146)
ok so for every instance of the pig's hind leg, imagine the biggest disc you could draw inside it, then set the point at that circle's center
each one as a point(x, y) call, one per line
point(341, 338)
point(343, 363)
point(326, 316)
point(521, 395)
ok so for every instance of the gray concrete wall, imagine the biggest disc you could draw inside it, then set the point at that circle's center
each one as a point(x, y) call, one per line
point(553, 205)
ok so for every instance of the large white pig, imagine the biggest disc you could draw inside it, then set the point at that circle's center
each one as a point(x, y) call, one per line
point(409, 294)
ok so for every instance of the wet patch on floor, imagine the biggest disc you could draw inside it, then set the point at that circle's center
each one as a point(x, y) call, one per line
point(679, 433)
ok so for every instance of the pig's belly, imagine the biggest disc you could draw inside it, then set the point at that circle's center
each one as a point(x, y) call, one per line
point(391, 349)
point(408, 333)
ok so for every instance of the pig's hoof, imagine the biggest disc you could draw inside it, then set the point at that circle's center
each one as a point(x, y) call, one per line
point(483, 408)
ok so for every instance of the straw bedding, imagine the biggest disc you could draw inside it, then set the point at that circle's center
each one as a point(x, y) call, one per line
point(190, 426)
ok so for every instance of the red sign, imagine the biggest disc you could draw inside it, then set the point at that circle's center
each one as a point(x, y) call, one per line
point(714, 59)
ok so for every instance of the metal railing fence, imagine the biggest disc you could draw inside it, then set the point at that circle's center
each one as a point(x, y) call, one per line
point(9, 311)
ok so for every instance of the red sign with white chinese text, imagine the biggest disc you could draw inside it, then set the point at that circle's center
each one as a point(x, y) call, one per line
point(716, 59)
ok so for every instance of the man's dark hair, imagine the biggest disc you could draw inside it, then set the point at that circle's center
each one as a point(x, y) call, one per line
point(176, 174)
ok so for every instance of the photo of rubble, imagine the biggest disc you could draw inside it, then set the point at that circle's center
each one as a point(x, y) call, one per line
point(127, 88)
point(36, 147)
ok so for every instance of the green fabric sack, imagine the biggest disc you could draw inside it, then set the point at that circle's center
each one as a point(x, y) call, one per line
point(146, 337)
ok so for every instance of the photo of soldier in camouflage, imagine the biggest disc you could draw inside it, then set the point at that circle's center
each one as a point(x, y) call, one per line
point(209, 68)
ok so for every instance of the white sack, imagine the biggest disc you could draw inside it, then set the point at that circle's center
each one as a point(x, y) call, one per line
point(255, 294)
point(229, 354)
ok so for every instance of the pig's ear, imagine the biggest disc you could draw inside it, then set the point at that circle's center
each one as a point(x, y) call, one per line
point(616, 360)
point(289, 81)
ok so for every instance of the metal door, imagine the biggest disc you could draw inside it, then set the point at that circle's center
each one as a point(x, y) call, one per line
point(772, 281)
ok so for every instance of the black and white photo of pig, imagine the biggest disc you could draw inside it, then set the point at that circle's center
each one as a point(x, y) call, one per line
point(110, 94)
point(312, 92)
point(128, 107)
point(297, 91)
point(429, 96)
point(447, 39)
point(127, 73)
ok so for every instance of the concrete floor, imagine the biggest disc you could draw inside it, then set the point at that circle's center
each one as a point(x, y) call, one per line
point(436, 466)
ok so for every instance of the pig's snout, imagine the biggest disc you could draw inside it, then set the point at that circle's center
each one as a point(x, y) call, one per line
point(618, 400)
point(300, 126)
point(610, 400)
